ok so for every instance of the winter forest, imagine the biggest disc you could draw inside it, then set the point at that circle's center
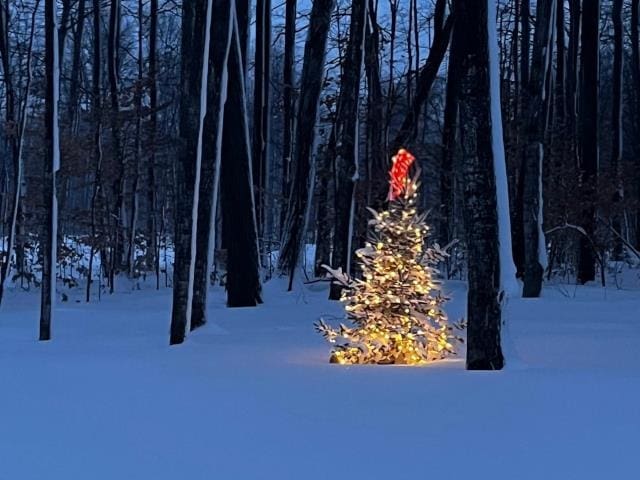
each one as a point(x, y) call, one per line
point(248, 239)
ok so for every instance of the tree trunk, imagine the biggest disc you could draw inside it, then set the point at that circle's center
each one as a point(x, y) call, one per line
point(534, 132)
point(221, 35)
point(427, 75)
point(635, 73)
point(288, 105)
point(238, 206)
point(185, 169)
point(74, 82)
point(480, 199)
point(376, 144)
point(616, 120)
point(117, 190)
point(152, 260)
point(51, 166)
point(343, 146)
point(449, 136)
point(262, 112)
point(303, 160)
point(590, 43)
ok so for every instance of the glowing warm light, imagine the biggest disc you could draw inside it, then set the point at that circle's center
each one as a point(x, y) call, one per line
point(396, 310)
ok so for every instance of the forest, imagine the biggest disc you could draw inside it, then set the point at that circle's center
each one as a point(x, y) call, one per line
point(252, 239)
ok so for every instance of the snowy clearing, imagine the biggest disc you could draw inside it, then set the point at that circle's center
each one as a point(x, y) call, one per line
point(250, 396)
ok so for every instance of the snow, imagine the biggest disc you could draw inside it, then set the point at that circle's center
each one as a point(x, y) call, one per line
point(508, 280)
point(251, 394)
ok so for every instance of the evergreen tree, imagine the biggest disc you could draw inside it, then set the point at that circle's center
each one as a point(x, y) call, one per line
point(396, 308)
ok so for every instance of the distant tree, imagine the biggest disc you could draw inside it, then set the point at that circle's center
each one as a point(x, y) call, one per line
point(303, 159)
point(589, 147)
point(343, 144)
point(51, 166)
point(535, 128)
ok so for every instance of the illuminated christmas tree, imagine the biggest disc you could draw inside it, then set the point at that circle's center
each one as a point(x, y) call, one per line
point(396, 308)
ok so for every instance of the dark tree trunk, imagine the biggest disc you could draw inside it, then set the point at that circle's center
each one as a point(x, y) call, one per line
point(480, 200)
point(324, 213)
point(525, 57)
point(616, 119)
point(288, 105)
point(96, 105)
point(51, 163)
point(376, 144)
point(589, 134)
point(303, 160)
point(428, 73)
point(535, 128)
point(185, 166)
point(153, 260)
point(238, 207)
point(635, 73)
point(210, 167)
point(449, 144)
point(74, 83)
point(343, 144)
point(117, 189)
point(262, 112)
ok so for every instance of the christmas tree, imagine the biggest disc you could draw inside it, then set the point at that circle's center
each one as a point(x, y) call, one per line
point(396, 307)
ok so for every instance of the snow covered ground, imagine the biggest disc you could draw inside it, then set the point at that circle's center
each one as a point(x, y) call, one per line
point(251, 395)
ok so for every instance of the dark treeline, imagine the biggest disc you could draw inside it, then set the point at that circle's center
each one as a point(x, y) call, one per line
point(215, 140)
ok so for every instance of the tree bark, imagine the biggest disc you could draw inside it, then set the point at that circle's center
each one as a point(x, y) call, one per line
point(262, 112)
point(51, 165)
point(427, 75)
point(303, 161)
point(589, 149)
point(534, 132)
point(238, 205)
point(185, 166)
point(343, 145)
point(480, 199)
point(288, 129)
point(221, 35)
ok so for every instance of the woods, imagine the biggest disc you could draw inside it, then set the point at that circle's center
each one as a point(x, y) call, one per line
point(228, 143)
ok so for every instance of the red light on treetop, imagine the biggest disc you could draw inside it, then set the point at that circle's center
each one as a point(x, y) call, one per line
point(399, 171)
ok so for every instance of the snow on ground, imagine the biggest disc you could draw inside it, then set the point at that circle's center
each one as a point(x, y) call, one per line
point(250, 396)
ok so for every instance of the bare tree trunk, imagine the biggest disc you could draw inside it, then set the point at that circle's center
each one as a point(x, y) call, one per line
point(153, 260)
point(191, 70)
point(480, 200)
point(428, 73)
point(303, 160)
point(51, 166)
point(221, 36)
point(635, 73)
point(376, 144)
point(288, 104)
point(535, 128)
point(616, 117)
point(449, 135)
point(343, 146)
point(96, 106)
point(116, 134)
point(17, 142)
point(262, 112)
point(238, 206)
point(74, 82)
point(589, 153)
